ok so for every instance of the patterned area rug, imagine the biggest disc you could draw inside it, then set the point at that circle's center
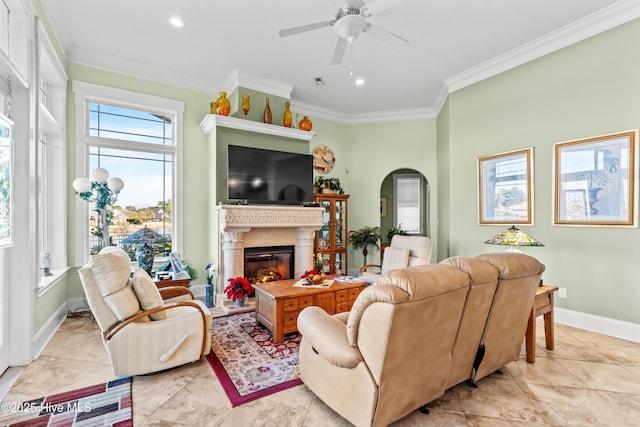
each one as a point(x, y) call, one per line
point(107, 404)
point(247, 362)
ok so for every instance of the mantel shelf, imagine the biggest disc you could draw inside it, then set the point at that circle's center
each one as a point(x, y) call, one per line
point(211, 121)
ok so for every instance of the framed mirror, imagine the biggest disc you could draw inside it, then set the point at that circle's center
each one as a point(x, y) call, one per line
point(594, 181)
point(505, 188)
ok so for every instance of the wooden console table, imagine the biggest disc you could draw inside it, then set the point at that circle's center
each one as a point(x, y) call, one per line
point(279, 303)
point(543, 306)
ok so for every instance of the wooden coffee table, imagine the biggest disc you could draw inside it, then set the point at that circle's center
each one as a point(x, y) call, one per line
point(279, 303)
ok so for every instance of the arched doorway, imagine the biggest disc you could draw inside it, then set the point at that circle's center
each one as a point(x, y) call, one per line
point(404, 202)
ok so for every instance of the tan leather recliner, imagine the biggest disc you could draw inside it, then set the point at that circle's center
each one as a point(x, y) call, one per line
point(394, 352)
point(141, 332)
point(417, 332)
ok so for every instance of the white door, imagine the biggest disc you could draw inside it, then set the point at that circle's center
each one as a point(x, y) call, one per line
point(4, 309)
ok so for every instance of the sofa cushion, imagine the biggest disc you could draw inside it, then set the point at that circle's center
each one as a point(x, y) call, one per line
point(111, 275)
point(394, 258)
point(148, 293)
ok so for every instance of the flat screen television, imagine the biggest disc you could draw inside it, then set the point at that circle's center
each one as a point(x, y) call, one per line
point(257, 175)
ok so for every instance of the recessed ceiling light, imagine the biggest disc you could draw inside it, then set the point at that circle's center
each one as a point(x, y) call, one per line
point(359, 82)
point(176, 22)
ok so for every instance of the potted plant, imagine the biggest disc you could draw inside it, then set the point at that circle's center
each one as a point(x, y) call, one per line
point(363, 238)
point(328, 185)
point(396, 230)
point(238, 289)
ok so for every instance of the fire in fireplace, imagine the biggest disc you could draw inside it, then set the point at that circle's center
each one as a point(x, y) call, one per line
point(267, 264)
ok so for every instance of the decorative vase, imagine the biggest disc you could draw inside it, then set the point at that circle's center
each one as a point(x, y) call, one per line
point(305, 124)
point(287, 118)
point(222, 104)
point(239, 302)
point(214, 108)
point(267, 117)
point(245, 104)
point(144, 256)
point(209, 293)
point(329, 191)
point(593, 198)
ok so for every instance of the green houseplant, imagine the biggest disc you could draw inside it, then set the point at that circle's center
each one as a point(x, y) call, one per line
point(396, 230)
point(330, 184)
point(363, 238)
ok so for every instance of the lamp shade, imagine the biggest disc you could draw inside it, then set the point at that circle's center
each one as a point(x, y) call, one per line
point(101, 175)
point(144, 235)
point(82, 185)
point(115, 184)
point(513, 237)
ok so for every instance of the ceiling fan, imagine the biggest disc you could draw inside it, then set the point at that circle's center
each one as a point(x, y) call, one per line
point(351, 21)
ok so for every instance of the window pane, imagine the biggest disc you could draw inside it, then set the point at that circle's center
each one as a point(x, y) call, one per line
point(145, 200)
point(6, 176)
point(408, 196)
point(106, 121)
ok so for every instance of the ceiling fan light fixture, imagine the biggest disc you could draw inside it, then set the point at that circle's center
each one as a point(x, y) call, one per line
point(349, 27)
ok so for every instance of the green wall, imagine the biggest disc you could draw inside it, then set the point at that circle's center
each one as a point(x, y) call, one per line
point(587, 89)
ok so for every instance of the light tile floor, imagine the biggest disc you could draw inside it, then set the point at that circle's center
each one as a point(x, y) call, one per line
point(588, 380)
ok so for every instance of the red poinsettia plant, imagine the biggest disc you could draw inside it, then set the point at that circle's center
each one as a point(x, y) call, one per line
point(310, 273)
point(238, 287)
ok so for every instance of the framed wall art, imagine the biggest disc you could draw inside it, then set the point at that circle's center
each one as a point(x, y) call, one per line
point(594, 181)
point(505, 188)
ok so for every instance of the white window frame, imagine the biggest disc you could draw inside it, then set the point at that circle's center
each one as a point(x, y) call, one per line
point(86, 93)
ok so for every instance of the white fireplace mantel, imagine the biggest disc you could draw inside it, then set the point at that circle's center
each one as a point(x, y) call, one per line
point(211, 121)
point(243, 226)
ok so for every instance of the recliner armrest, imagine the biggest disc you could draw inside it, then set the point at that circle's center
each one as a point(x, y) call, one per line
point(328, 337)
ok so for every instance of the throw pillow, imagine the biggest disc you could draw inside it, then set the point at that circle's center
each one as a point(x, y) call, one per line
point(394, 258)
point(148, 293)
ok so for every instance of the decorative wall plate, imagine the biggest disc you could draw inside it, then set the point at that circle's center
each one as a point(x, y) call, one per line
point(323, 159)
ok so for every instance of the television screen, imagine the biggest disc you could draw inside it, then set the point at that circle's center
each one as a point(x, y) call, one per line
point(267, 176)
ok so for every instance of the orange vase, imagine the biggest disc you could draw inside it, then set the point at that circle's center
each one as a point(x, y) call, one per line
point(245, 104)
point(222, 104)
point(305, 124)
point(214, 107)
point(287, 118)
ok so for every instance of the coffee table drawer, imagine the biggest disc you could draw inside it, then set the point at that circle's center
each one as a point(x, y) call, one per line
point(353, 294)
point(342, 296)
point(305, 302)
point(342, 307)
point(290, 304)
point(290, 317)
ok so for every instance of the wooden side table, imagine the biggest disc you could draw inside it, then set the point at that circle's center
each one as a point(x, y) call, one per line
point(543, 305)
point(166, 283)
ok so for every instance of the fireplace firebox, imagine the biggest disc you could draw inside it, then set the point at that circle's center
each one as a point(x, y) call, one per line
point(268, 264)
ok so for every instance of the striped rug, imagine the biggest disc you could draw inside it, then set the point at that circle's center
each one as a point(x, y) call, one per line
point(107, 404)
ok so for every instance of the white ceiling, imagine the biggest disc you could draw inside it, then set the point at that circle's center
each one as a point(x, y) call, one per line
point(452, 43)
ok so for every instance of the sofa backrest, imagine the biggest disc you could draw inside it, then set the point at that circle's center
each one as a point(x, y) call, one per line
point(405, 326)
point(419, 248)
point(483, 283)
point(514, 298)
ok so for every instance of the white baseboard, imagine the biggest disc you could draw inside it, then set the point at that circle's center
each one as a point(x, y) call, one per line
point(602, 325)
point(48, 330)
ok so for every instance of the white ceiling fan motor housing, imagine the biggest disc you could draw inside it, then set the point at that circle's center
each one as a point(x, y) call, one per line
point(349, 27)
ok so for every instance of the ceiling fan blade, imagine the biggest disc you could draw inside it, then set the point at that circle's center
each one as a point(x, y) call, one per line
point(377, 6)
point(382, 34)
point(304, 28)
point(338, 53)
point(356, 4)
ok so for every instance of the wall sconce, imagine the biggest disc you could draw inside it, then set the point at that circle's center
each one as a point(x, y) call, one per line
point(104, 192)
point(513, 237)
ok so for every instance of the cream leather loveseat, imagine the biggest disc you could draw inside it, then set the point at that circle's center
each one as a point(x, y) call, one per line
point(417, 332)
point(141, 332)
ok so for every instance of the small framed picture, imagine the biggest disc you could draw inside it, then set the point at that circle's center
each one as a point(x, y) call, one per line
point(505, 188)
point(594, 181)
point(383, 206)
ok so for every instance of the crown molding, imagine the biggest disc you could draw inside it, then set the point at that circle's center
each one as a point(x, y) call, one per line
point(603, 20)
point(271, 87)
point(315, 111)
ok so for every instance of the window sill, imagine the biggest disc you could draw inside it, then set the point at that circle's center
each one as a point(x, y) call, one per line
point(48, 282)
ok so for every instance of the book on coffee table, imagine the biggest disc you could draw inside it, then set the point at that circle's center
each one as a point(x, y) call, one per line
point(348, 279)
